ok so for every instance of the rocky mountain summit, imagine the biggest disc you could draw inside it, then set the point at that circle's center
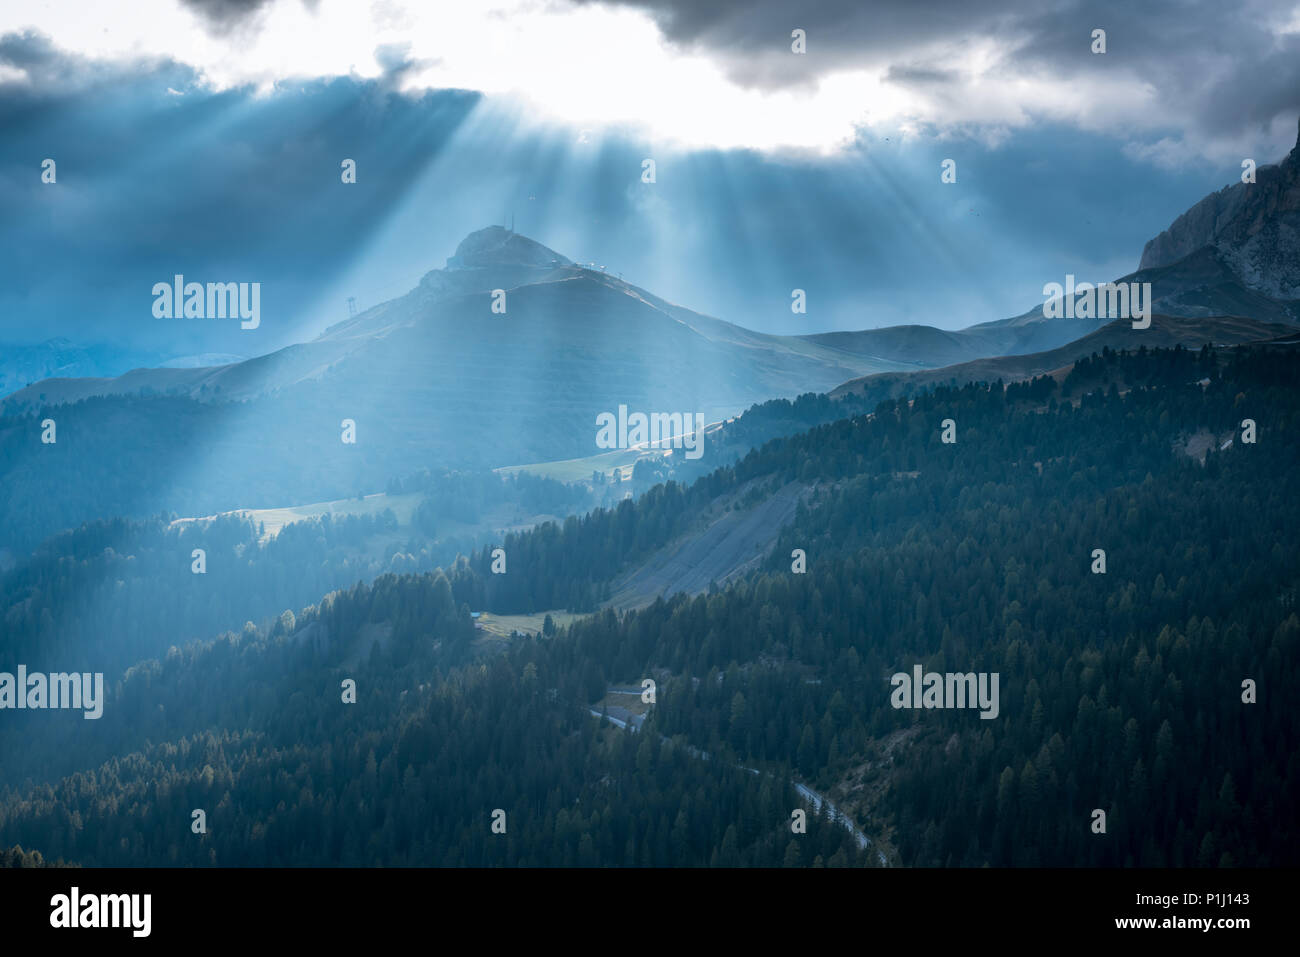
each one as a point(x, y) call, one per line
point(1254, 227)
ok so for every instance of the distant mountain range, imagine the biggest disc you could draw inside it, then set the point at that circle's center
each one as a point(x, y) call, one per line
point(1235, 253)
point(435, 378)
point(1201, 285)
point(438, 378)
point(22, 365)
point(569, 336)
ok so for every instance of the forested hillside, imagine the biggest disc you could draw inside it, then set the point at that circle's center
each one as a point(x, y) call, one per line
point(110, 593)
point(1120, 691)
point(410, 774)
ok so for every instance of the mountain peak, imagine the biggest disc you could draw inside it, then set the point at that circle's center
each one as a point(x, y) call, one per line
point(1252, 226)
point(498, 246)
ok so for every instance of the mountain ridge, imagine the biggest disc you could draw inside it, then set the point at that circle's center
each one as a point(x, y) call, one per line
point(1165, 332)
point(486, 260)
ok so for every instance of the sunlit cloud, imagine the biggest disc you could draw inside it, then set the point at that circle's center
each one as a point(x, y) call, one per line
point(597, 66)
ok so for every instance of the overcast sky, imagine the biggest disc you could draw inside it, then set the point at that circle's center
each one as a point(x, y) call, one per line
point(205, 137)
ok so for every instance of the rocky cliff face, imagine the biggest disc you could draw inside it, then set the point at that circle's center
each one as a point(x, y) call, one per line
point(1255, 227)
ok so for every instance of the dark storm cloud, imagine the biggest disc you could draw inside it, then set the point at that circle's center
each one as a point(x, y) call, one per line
point(47, 68)
point(752, 39)
point(1217, 69)
point(27, 51)
point(223, 16)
